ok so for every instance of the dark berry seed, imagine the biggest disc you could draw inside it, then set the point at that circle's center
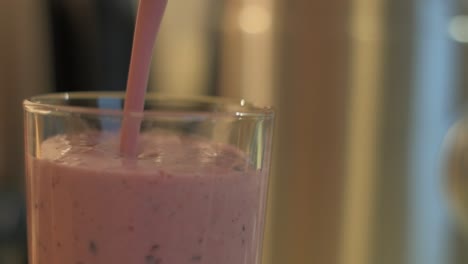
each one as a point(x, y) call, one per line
point(150, 259)
point(93, 247)
point(154, 247)
point(238, 168)
point(196, 258)
point(155, 208)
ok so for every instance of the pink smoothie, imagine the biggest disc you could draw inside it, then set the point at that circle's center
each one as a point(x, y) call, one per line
point(184, 200)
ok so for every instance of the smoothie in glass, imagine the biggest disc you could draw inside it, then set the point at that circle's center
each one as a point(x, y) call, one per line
point(185, 198)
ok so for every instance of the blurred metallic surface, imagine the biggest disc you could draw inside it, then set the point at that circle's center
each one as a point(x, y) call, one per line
point(393, 95)
point(311, 99)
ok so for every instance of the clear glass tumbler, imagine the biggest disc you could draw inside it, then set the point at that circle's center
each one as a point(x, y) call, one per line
point(195, 192)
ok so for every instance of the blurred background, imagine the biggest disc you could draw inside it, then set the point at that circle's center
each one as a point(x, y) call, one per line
point(365, 92)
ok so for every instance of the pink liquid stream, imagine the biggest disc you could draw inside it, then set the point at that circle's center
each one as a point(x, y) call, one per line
point(149, 17)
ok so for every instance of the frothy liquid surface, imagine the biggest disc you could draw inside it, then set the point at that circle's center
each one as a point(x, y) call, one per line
point(184, 200)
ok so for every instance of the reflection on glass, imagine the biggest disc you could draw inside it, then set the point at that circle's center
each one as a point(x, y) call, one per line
point(458, 28)
point(456, 172)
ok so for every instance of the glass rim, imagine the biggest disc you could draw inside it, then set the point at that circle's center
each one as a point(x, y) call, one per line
point(244, 108)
